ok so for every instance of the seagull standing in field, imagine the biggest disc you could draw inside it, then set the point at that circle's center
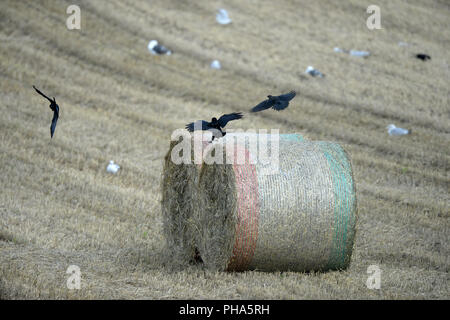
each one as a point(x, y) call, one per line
point(395, 131)
point(275, 102)
point(222, 17)
point(216, 64)
point(355, 53)
point(156, 48)
point(54, 107)
point(314, 72)
point(112, 167)
point(214, 124)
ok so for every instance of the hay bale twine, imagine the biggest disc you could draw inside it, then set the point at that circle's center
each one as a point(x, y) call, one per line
point(301, 218)
point(180, 200)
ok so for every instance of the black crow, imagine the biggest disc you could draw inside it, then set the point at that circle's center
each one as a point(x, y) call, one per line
point(275, 102)
point(214, 124)
point(423, 56)
point(55, 109)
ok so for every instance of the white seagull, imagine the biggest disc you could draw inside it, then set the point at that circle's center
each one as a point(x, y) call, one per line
point(112, 167)
point(355, 53)
point(395, 131)
point(313, 72)
point(216, 64)
point(222, 17)
point(156, 48)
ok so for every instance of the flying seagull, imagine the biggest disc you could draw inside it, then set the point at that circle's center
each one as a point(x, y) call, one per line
point(275, 102)
point(156, 48)
point(55, 109)
point(214, 124)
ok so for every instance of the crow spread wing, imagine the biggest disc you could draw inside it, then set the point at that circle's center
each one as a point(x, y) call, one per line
point(38, 91)
point(198, 125)
point(223, 120)
point(266, 104)
point(280, 105)
point(54, 120)
point(287, 97)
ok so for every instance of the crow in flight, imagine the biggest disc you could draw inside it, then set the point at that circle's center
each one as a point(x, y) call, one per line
point(275, 102)
point(214, 124)
point(55, 109)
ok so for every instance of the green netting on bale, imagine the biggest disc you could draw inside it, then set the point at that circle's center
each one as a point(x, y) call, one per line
point(300, 218)
point(344, 206)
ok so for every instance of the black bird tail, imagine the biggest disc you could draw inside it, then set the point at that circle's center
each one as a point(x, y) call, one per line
point(53, 125)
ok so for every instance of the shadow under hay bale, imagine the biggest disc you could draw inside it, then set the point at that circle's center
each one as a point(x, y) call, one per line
point(300, 218)
point(181, 205)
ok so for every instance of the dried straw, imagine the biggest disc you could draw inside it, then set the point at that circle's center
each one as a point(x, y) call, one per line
point(181, 205)
point(300, 218)
point(179, 189)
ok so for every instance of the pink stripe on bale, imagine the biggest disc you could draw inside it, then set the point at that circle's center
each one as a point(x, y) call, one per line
point(248, 211)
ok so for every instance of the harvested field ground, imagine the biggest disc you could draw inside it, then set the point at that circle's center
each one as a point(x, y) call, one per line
point(59, 206)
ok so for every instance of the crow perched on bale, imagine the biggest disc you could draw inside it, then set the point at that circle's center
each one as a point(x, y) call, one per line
point(275, 102)
point(55, 109)
point(214, 124)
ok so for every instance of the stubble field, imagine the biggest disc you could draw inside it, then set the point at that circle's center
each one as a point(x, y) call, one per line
point(59, 206)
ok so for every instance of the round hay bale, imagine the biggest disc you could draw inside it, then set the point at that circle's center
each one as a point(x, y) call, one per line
point(300, 218)
point(179, 191)
point(180, 200)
